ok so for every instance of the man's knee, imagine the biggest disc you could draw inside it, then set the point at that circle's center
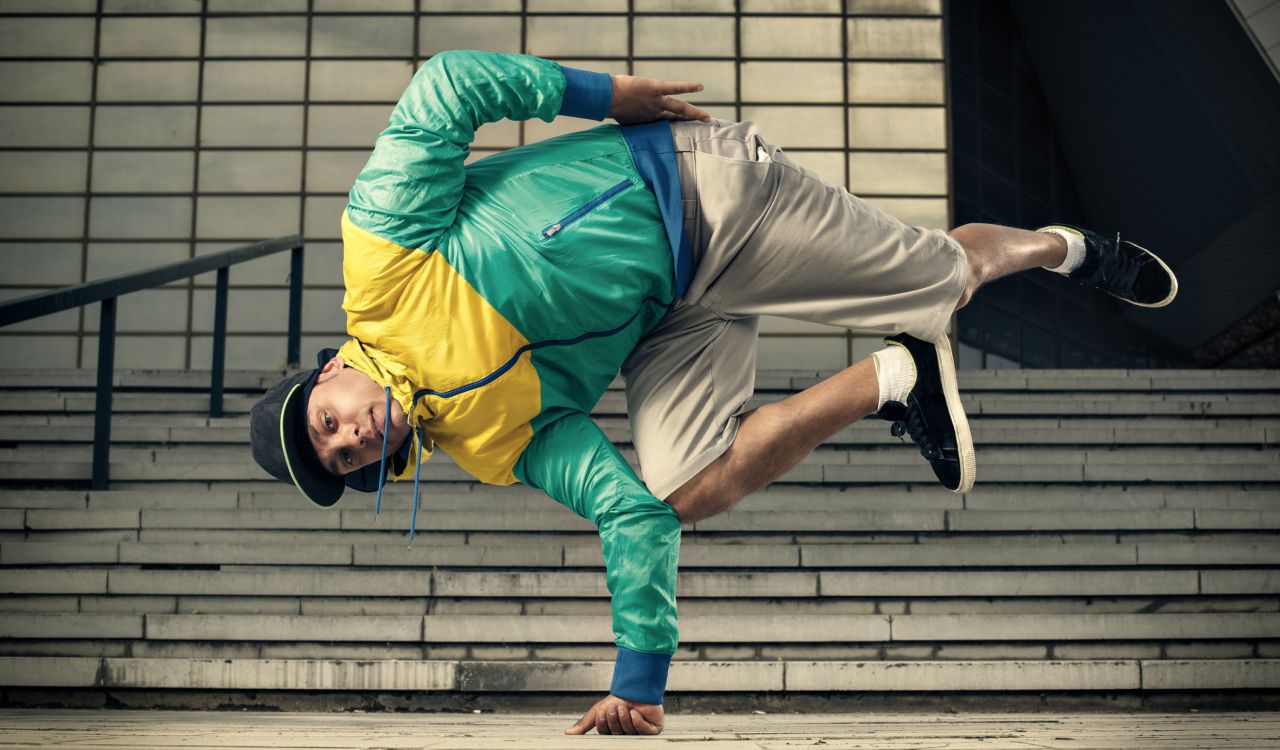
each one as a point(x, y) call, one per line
point(698, 499)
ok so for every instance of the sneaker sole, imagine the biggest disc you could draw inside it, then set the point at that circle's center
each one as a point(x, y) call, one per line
point(959, 420)
point(1173, 280)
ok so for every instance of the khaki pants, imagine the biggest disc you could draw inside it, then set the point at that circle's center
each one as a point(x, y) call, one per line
point(769, 238)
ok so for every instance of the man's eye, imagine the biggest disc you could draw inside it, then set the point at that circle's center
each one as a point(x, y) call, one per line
point(346, 457)
point(328, 423)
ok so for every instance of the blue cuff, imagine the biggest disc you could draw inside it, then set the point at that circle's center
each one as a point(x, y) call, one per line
point(587, 94)
point(640, 677)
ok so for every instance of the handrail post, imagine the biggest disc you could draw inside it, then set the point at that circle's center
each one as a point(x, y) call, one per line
point(219, 342)
point(293, 354)
point(102, 408)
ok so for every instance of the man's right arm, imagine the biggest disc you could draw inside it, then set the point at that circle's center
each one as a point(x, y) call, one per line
point(572, 461)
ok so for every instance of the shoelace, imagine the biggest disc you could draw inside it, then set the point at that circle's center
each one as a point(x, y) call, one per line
point(1117, 270)
point(914, 424)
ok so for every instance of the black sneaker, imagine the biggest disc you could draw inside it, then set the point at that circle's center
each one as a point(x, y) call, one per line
point(1123, 269)
point(932, 413)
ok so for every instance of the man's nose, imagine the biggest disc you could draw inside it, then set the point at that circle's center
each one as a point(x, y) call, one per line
point(356, 437)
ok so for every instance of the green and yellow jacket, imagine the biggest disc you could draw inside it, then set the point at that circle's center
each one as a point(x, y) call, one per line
point(497, 300)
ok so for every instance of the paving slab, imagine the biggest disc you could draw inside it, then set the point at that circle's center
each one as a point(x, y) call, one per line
point(944, 555)
point(1240, 581)
point(283, 628)
point(1101, 627)
point(1238, 519)
point(70, 625)
point(47, 671)
point(999, 583)
point(238, 519)
point(42, 520)
point(162, 498)
point(281, 674)
point(61, 553)
point(39, 604)
point(962, 675)
point(1211, 674)
point(523, 555)
point(1193, 553)
point(42, 581)
point(52, 499)
point(1059, 520)
point(199, 553)
point(743, 728)
point(279, 581)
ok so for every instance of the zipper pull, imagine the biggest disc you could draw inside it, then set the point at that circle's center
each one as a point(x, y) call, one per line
point(551, 230)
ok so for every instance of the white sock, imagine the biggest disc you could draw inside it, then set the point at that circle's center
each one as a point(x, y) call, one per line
point(1075, 249)
point(896, 372)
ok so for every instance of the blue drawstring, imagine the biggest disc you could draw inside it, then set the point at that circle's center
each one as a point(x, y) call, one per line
point(417, 471)
point(382, 465)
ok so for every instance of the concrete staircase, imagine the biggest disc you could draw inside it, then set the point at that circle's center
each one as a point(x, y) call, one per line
point(1122, 540)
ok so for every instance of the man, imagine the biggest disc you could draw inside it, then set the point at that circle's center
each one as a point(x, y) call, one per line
point(490, 305)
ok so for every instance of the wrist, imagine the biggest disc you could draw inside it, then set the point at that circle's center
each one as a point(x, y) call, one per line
point(587, 94)
point(640, 677)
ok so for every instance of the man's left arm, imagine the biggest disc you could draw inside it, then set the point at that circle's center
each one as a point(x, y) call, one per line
point(410, 189)
point(572, 461)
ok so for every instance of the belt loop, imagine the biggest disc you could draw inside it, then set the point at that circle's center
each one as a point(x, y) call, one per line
point(683, 142)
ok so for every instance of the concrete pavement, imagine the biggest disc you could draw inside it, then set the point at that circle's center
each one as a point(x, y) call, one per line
point(22, 729)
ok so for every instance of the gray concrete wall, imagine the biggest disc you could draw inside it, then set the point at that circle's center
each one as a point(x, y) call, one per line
point(155, 130)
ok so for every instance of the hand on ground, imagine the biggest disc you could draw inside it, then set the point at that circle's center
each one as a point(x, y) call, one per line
point(637, 100)
point(614, 715)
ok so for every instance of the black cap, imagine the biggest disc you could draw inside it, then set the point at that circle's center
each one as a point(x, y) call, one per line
point(278, 437)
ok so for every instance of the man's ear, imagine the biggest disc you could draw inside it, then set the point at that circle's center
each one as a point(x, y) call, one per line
point(330, 368)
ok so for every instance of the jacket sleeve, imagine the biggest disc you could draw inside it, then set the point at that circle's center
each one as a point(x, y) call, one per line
point(410, 188)
point(572, 461)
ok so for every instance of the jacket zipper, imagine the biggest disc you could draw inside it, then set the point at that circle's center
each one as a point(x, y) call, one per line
point(578, 214)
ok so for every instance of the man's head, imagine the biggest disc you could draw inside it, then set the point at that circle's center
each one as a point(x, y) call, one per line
point(346, 416)
point(317, 429)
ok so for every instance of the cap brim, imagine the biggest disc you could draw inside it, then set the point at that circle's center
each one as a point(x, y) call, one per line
point(312, 479)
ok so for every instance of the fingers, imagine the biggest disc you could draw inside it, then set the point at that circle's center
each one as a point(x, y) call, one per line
point(684, 110)
point(624, 718)
point(611, 717)
point(584, 724)
point(679, 87)
point(642, 724)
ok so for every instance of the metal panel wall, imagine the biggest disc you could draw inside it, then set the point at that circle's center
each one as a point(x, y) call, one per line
point(136, 132)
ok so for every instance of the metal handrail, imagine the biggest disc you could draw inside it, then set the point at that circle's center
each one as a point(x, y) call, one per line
point(107, 290)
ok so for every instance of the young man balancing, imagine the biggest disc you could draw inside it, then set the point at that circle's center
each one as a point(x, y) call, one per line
point(490, 305)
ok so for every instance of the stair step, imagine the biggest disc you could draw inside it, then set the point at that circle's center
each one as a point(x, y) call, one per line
point(1060, 379)
point(835, 499)
point(129, 429)
point(529, 554)
point(557, 519)
point(694, 629)
point(1215, 403)
point(594, 677)
point(316, 581)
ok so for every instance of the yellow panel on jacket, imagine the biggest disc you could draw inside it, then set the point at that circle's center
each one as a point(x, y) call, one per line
point(409, 311)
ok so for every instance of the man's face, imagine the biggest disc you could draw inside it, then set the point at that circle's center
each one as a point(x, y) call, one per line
point(346, 419)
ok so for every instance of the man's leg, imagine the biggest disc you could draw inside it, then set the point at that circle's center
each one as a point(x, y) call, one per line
point(775, 437)
point(992, 252)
